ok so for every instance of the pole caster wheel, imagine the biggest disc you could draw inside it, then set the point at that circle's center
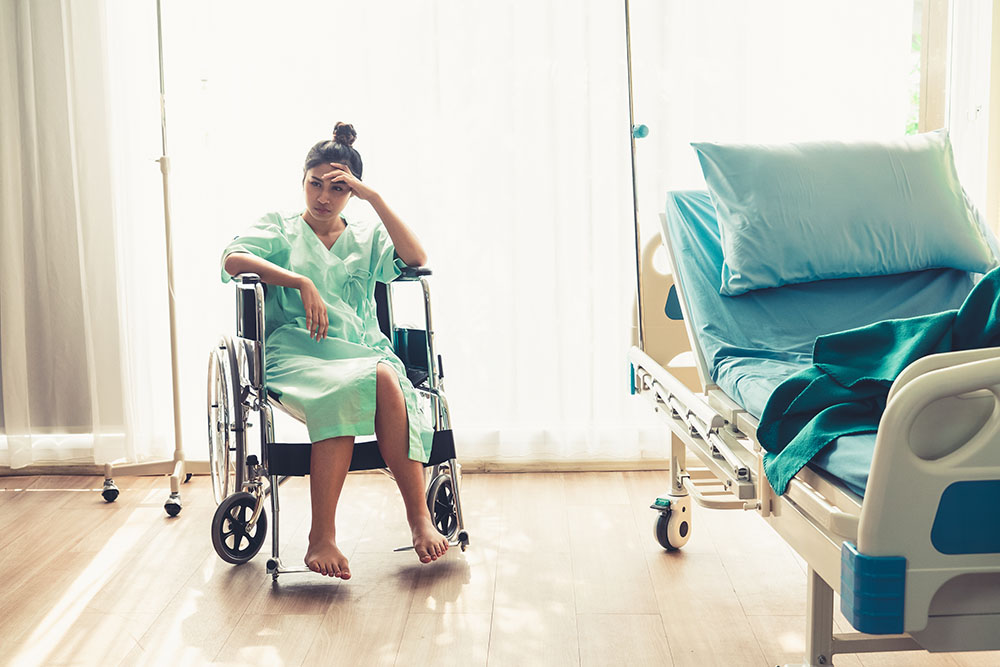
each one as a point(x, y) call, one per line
point(110, 491)
point(173, 504)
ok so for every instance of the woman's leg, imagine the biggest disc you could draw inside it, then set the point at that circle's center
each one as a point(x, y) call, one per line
point(392, 431)
point(330, 461)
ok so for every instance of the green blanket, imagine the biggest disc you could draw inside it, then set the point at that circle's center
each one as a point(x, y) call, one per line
point(844, 392)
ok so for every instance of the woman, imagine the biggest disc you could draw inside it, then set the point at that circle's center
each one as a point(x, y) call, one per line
point(326, 357)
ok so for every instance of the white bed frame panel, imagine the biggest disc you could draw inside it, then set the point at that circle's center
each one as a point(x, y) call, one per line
point(941, 425)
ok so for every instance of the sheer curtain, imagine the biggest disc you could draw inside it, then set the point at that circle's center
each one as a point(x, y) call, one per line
point(498, 131)
point(74, 376)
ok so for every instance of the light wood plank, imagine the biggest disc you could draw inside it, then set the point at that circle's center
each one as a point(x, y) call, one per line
point(768, 583)
point(544, 635)
point(270, 639)
point(446, 639)
point(534, 613)
point(704, 621)
point(365, 624)
point(609, 571)
point(783, 639)
point(622, 639)
point(96, 639)
point(594, 488)
point(195, 624)
point(534, 515)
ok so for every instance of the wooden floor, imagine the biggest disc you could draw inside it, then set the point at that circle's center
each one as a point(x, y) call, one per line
point(563, 570)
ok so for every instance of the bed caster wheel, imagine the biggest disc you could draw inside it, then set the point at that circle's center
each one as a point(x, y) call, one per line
point(173, 504)
point(673, 525)
point(110, 491)
point(234, 539)
point(441, 503)
point(463, 539)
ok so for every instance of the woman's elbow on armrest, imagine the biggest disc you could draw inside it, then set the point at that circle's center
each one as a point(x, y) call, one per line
point(416, 260)
point(233, 264)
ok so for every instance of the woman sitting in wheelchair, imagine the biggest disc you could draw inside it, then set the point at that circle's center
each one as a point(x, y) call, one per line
point(326, 357)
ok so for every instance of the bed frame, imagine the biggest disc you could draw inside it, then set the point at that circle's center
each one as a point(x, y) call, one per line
point(917, 561)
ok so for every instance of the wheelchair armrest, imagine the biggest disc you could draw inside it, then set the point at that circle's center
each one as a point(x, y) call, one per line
point(247, 278)
point(413, 273)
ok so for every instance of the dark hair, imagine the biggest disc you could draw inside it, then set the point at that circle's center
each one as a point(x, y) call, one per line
point(337, 150)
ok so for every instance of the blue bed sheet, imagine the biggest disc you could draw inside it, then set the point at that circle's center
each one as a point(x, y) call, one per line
point(754, 341)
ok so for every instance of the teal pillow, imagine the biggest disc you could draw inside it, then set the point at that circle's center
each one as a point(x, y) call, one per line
point(794, 213)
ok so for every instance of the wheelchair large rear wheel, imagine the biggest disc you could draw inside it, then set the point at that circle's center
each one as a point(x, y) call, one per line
point(441, 503)
point(227, 418)
point(233, 538)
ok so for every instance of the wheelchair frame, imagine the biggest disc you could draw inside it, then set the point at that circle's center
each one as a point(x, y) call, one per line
point(237, 387)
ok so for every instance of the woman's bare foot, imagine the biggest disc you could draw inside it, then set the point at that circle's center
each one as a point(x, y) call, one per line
point(323, 556)
point(427, 541)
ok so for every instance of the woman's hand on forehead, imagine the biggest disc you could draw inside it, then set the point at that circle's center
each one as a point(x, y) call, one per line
point(337, 169)
point(341, 173)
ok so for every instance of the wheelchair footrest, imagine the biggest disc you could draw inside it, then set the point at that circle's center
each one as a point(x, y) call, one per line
point(284, 458)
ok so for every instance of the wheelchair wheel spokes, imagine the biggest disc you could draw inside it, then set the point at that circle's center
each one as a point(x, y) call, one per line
point(239, 415)
point(233, 538)
point(222, 412)
point(441, 503)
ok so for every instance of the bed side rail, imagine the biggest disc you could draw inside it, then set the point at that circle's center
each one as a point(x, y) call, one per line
point(704, 431)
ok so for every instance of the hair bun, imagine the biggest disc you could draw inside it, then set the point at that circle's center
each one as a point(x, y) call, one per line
point(344, 133)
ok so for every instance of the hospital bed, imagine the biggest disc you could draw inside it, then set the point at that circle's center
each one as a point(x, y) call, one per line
point(882, 520)
point(244, 476)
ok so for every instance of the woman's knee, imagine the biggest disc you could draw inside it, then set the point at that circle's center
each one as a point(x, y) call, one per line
point(387, 390)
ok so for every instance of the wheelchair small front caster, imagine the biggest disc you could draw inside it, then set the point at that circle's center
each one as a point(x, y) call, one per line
point(441, 503)
point(463, 539)
point(234, 539)
point(110, 491)
point(673, 524)
point(173, 504)
point(272, 568)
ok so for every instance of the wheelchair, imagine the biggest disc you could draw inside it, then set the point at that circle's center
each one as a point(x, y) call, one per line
point(237, 391)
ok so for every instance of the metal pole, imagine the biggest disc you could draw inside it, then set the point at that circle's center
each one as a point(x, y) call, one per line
point(635, 192)
point(165, 171)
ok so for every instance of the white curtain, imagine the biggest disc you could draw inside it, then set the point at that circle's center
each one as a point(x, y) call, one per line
point(499, 132)
point(78, 384)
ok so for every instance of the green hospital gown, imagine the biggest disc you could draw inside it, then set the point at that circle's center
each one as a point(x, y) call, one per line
point(330, 383)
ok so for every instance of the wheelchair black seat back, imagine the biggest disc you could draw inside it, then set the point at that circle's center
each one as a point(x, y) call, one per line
point(237, 392)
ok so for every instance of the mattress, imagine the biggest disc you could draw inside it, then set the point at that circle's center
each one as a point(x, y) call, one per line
point(754, 341)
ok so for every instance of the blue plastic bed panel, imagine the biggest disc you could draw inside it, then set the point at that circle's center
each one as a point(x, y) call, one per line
point(872, 591)
point(968, 518)
point(754, 341)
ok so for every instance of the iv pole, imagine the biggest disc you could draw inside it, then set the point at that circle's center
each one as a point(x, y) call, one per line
point(176, 466)
point(635, 132)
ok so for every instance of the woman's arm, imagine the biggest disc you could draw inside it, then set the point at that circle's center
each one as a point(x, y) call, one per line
point(405, 241)
point(407, 246)
point(317, 321)
point(272, 274)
